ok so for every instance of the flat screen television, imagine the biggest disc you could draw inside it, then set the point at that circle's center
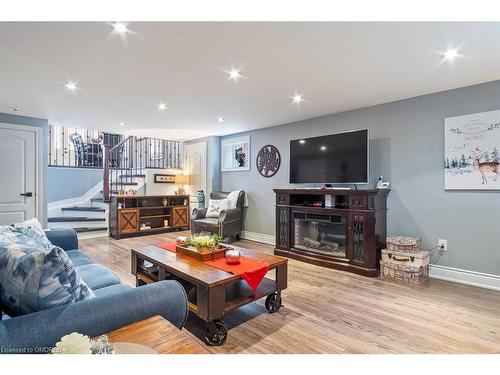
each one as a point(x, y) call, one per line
point(337, 158)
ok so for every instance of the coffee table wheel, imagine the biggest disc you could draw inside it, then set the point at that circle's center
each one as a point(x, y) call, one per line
point(215, 333)
point(273, 302)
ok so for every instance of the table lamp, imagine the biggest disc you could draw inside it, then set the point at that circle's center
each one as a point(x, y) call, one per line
point(181, 179)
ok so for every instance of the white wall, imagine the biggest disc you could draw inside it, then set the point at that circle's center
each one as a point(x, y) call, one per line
point(153, 188)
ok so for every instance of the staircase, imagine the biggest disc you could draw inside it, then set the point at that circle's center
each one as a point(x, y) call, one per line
point(123, 170)
point(87, 213)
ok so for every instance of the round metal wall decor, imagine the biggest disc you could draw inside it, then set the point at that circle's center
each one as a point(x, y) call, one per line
point(268, 161)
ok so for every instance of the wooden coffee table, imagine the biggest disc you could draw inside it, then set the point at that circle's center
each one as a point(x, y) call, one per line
point(212, 292)
point(158, 334)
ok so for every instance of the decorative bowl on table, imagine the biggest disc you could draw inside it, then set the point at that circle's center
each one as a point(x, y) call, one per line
point(233, 256)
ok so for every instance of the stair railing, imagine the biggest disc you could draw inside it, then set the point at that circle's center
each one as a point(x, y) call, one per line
point(118, 159)
point(130, 158)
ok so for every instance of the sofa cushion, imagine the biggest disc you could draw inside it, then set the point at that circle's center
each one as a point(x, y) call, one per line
point(34, 275)
point(96, 276)
point(111, 290)
point(78, 258)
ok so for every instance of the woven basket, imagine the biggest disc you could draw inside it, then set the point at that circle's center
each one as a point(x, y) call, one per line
point(406, 274)
point(404, 244)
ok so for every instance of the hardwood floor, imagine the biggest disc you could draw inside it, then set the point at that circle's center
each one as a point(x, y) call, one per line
point(329, 311)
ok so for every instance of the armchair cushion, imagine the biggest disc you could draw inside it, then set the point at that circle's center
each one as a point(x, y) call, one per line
point(35, 276)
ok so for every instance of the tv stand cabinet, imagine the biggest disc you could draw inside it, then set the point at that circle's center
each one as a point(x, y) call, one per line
point(341, 229)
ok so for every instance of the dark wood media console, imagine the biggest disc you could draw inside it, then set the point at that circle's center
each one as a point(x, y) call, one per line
point(345, 232)
point(161, 213)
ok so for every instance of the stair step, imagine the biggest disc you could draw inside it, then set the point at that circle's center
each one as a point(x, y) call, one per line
point(132, 175)
point(62, 219)
point(124, 183)
point(75, 208)
point(86, 229)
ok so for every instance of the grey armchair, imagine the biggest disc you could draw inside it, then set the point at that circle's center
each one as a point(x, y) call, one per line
point(228, 225)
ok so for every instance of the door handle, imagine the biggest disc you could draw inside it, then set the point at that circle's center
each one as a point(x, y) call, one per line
point(28, 194)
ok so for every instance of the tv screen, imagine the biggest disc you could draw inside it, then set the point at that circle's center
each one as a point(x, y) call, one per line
point(338, 158)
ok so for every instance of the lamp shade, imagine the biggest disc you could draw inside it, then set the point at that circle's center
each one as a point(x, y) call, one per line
point(181, 179)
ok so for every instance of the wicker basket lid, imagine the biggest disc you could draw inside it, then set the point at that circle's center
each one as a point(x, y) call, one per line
point(403, 240)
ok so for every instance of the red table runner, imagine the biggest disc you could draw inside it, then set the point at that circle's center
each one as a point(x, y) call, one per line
point(251, 270)
point(170, 246)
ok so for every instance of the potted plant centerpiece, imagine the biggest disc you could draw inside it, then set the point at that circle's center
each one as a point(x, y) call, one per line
point(204, 248)
point(204, 244)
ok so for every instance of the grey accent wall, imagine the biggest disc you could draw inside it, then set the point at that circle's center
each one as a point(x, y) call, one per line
point(406, 147)
point(39, 123)
point(64, 183)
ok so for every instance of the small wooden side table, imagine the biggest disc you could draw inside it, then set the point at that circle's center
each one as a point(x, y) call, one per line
point(159, 334)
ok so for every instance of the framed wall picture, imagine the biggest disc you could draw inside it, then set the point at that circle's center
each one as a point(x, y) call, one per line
point(235, 154)
point(472, 152)
point(164, 178)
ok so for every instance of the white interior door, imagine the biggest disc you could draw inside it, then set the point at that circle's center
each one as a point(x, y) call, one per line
point(17, 174)
point(195, 165)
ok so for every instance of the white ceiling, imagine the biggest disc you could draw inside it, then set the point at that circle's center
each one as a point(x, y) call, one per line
point(337, 66)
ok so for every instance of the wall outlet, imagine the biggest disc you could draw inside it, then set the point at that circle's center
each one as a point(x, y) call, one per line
point(442, 245)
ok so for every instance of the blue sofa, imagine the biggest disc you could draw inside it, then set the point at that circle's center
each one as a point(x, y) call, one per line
point(115, 305)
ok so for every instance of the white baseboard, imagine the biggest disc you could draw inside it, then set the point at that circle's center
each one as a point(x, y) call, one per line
point(481, 280)
point(258, 237)
point(455, 275)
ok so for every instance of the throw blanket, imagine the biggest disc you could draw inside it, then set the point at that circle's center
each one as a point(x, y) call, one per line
point(251, 270)
point(233, 198)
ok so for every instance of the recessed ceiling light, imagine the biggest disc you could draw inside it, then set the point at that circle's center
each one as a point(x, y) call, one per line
point(234, 74)
point(71, 86)
point(450, 54)
point(297, 98)
point(162, 107)
point(122, 124)
point(120, 27)
point(302, 141)
point(221, 119)
point(323, 148)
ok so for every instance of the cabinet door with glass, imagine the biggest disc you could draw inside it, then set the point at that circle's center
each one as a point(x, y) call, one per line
point(358, 241)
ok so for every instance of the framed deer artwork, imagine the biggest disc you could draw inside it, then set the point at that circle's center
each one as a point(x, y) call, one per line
point(472, 152)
